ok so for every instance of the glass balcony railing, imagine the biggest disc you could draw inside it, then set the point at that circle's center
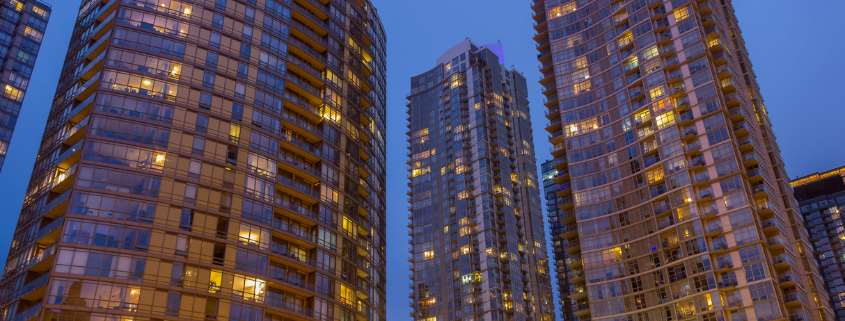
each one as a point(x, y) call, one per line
point(29, 313)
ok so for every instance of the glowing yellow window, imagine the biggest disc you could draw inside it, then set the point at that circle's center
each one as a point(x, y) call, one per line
point(39, 11)
point(17, 5)
point(665, 119)
point(13, 93)
point(682, 14)
point(215, 280)
point(657, 92)
point(428, 255)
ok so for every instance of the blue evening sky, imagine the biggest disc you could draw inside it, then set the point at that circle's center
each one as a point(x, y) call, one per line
point(794, 48)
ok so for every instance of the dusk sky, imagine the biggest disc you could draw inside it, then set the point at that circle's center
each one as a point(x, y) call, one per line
point(795, 50)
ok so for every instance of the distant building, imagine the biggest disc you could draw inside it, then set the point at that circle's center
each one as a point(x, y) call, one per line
point(821, 197)
point(560, 245)
point(478, 249)
point(21, 33)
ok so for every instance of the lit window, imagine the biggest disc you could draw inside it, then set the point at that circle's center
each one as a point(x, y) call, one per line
point(562, 10)
point(682, 14)
point(428, 255)
point(41, 12)
point(34, 34)
point(13, 93)
point(17, 5)
point(665, 119)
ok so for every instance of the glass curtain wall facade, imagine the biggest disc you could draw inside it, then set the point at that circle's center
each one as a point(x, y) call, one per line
point(564, 273)
point(477, 238)
point(675, 201)
point(822, 200)
point(24, 24)
point(209, 160)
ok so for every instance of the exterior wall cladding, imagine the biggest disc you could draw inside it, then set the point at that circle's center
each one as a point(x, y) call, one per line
point(675, 204)
point(21, 33)
point(209, 160)
point(822, 201)
point(477, 237)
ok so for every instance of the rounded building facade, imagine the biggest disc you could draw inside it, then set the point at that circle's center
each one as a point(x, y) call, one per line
point(209, 160)
point(672, 200)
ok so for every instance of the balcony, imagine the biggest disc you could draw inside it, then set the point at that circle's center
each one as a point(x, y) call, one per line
point(764, 207)
point(761, 190)
point(727, 284)
point(582, 309)
point(740, 129)
point(30, 313)
point(772, 225)
point(791, 298)
point(35, 288)
point(787, 279)
point(754, 174)
point(783, 260)
point(776, 242)
point(690, 133)
point(698, 162)
point(731, 99)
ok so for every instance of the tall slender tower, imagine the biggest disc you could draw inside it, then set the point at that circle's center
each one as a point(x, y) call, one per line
point(477, 236)
point(675, 202)
point(209, 160)
point(24, 24)
point(562, 272)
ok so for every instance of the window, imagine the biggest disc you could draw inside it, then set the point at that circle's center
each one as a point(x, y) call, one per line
point(211, 59)
point(214, 40)
point(202, 123)
point(726, 167)
point(217, 20)
point(119, 181)
point(247, 31)
point(237, 111)
point(198, 146)
point(252, 235)
point(113, 296)
point(242, 312)
point(191, 193)
point(243, 70)
point(767, 311)
point(107, 235)
point(682, 14)
point(251, 261)
point(33, 34)
point(113, 207)
point(174, 300)
point(99, 264)
point(208, 79)
point(327, 238)
point(259, 188)
point(750, 254)
point(261, 165)
point(220, 4)
point(41, 12)
point(762, 291)
point(746, 235)
point(240, 90)
point(137, 84)
point(13, 93)
point(205, 99)
point(735, 200)
point(195, 169)
point(245, 50)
